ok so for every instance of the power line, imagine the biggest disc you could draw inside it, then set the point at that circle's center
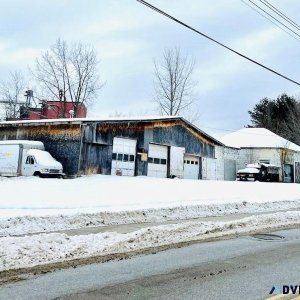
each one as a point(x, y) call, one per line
point(278, 12)
point(215, 41)
point(270, 15)
point(269, 19)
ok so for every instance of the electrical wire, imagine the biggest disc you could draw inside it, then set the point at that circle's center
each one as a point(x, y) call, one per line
point(257, 11)
point(281, 14)
point(215, 41)
point(270, 15)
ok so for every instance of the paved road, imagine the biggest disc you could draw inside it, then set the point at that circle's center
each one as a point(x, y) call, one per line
point(242, 268)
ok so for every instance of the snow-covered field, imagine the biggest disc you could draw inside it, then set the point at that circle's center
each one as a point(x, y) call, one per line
point(22, 252)
point(29, 205)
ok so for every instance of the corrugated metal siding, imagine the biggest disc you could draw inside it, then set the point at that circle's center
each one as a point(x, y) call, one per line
point(179, 136)
point(98, 140)
point(96, 159)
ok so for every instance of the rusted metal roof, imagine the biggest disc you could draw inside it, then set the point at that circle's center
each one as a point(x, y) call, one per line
point(117, 120)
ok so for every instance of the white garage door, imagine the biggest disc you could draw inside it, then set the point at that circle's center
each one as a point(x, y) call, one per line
point(191, 167)
point(157, 161)
point(123, 157)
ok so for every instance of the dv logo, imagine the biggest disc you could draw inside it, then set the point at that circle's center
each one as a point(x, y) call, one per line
point(275, 290)
point(286, 289)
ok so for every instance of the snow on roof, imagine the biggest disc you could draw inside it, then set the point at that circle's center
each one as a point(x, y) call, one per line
point(23, 142)
point(257, 138)
point(93, 119)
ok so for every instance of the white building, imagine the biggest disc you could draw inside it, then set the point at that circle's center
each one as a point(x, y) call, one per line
point(262, 145)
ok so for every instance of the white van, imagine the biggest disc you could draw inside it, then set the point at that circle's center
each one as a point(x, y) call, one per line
point(27, 158)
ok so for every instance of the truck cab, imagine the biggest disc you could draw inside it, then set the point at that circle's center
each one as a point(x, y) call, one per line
point(40, 163)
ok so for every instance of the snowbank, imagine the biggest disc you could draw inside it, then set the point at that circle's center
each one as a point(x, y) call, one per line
point(30, 205)
point(22, 225)
point(22, 252)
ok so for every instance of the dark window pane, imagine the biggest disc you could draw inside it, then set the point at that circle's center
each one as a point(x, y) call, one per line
point(125, 158)
point(196, 162)
point(114, 156)
point(188, 162)
point(163, 161)
point(150, 160)
point(28, 160)
point(156, 161)
point(131, 157)
point(192, 162)
point(184, 161)
point(32, 161)
point(120, 157)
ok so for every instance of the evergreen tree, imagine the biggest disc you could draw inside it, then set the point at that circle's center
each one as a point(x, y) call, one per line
point(280, 115)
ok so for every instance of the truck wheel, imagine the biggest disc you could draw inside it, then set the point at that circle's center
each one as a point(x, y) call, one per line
point(37, 174)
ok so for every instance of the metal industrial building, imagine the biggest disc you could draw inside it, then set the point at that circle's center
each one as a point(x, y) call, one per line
point(157, 146)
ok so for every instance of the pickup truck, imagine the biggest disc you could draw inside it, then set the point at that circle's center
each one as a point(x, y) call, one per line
point(259, 172)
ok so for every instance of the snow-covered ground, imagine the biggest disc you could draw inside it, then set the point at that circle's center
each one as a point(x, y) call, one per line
point(113, 193)
point(34, 205)
point(22, 252)
point(29, 205)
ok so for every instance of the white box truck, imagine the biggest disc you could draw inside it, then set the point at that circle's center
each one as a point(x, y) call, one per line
point(27, 158)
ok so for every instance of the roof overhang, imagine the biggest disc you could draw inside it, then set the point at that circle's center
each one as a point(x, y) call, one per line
point(81, 121)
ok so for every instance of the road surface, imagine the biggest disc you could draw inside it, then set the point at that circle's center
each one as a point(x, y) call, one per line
point(241, 268)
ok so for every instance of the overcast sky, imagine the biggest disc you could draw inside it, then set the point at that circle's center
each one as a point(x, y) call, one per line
point(128, 36)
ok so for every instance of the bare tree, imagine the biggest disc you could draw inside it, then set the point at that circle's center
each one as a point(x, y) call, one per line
point(173, 83)
point(69, 73)
point(12, 94)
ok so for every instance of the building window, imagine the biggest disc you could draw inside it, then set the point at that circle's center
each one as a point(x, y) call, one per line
point(125, 158)
point(131, 157)
point(120, 157)
point(157, 161)
point(192, 162)
point(114, 156)
point(196, 162)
